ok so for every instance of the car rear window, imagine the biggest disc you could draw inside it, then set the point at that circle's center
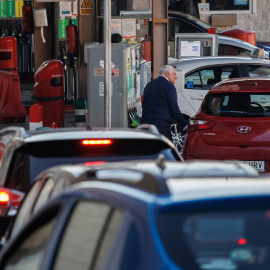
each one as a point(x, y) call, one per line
point(237, 104)
point(32, 158)
point(217, 240)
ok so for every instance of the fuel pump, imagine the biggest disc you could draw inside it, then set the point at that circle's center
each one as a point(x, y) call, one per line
point(72, 54)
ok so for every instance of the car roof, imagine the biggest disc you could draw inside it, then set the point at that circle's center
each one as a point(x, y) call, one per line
point(80, 133)
point(235, 41)
point(164, 168)
point(253, 84)
point(190, 63)
point(195, 189)
point(150, 175)
point(187, 190)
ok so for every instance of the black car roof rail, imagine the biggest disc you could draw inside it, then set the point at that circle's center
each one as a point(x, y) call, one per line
point(149, 128)
point(13, 132)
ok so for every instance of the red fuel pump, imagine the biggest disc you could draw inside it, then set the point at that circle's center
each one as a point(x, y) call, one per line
point(49, 92)
point(27, 18)
point(72, 40)
point(8, 54)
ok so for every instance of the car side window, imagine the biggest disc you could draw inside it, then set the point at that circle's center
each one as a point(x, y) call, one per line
point(90, 230)
point(231, 50)
point(30, 252)
point(215, 74)
point(258, 70)
point(193, 81)
point(25, 209)
point(185, 27)
point(205, 78)
point(44, 194)
point(20, 166)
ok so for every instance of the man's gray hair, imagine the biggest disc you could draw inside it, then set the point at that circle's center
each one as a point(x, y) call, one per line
point(166, 68)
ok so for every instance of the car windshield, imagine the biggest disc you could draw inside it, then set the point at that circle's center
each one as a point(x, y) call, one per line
point(248, 104)
point(177, 16)
point(227, 240)
point(32, 158)
point(200, 22)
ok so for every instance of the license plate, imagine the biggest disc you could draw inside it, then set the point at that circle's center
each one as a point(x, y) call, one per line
point(259, 165)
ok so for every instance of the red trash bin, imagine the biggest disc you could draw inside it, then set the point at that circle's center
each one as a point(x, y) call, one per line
point(49, 92)
point(8, 54)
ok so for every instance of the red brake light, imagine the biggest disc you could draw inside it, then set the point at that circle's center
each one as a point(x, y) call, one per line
point(242, 241)
point(94, 163)
point(4, 196)
point(12, 197)
point(97, 142)
point(194, 125)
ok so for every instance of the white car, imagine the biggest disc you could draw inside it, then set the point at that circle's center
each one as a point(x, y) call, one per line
point(197, 75)
point(236, 47)
point(180, 22)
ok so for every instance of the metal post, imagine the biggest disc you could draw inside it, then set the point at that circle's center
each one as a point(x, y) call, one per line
point(160, 35)
point(107, 63)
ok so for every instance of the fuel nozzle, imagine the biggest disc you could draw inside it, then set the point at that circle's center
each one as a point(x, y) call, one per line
point(19, 33)
point(64, 54)
point(11, 30)
point(3, 34)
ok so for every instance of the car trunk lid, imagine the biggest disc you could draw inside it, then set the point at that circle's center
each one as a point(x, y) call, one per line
point(236, 131)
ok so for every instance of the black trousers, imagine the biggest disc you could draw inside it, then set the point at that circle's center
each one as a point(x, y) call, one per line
point(166, 131)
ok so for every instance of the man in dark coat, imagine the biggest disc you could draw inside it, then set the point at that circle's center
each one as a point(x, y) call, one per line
point(190, 7)
point(160, 107)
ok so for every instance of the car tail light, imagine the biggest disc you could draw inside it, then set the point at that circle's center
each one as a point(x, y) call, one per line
point(242, 241)
point(94, 163)
point(97, 142)
point(4, 196)
point(9, 199)
point(194, 124)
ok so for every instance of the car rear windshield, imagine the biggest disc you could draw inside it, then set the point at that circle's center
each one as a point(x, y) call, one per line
point(32, 158)
point(217, 240)
point(238, 104)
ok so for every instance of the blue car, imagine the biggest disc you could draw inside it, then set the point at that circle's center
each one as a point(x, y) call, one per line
point(210, 224)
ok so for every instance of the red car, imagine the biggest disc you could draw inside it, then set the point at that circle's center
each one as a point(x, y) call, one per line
point(233, 122)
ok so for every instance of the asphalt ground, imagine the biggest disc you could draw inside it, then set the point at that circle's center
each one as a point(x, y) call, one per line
point(27, 90)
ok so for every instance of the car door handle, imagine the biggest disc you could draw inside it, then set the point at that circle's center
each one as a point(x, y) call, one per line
point(198, 97)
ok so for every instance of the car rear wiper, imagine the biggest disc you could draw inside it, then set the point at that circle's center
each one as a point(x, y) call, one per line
point(242, 114)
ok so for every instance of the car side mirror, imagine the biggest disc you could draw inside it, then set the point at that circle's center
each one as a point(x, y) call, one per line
point(180, 82)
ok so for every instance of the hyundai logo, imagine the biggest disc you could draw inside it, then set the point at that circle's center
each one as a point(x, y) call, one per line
point(243, 129)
